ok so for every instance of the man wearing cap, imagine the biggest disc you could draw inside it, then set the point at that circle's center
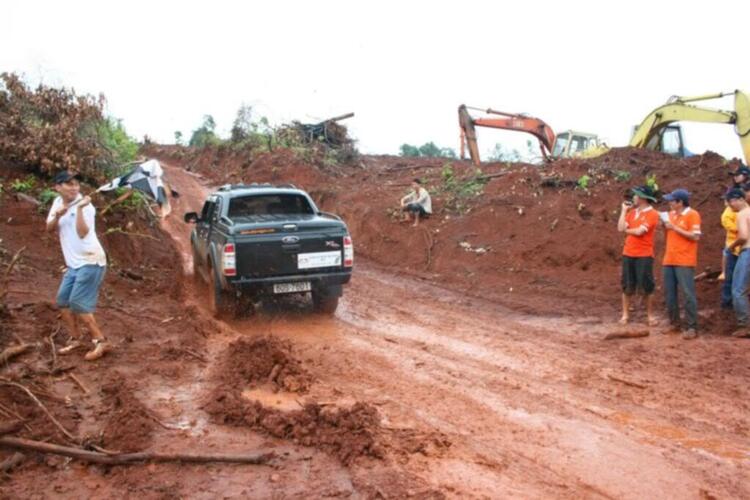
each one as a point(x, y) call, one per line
point(741, 274)
point(683, 226)
point(73, 216)
point(735, 201)
point(740, 177)
point(638, 220)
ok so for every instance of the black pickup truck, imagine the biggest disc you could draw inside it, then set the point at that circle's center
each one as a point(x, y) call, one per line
point(258, 240)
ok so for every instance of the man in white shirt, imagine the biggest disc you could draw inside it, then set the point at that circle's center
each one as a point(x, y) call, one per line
point(418, 203)
point(73, 216)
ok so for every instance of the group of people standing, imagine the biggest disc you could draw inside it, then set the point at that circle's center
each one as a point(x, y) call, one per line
point(682, 224)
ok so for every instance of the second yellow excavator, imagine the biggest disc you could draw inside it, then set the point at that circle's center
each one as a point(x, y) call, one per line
point(658, 132)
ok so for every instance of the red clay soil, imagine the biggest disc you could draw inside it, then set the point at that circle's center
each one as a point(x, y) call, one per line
point(346, 433)
point(461, 396)
point(127, 424)
point(266, 360)
point(533, 239)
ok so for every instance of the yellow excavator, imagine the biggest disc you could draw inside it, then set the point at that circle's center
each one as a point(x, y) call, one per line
point(658, 132)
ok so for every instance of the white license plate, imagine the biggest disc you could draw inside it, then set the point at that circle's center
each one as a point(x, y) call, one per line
point(318, 259)
point(302, 286)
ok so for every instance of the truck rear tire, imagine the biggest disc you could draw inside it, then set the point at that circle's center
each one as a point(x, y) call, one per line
point(220, 303)
point(325, 304)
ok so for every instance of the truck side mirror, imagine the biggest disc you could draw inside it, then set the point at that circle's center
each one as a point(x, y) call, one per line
point(191, 217)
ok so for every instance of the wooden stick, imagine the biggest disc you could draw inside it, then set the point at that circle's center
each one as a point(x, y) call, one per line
point(12, 461)
point(128, 458)
point(44, 408)
point(78, 382)
point(626, 382)
point(626, 335)
point(8, 427)
point(13, 351)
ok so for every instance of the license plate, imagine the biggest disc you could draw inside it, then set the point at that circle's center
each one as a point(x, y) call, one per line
point(302, 286)
point(318, 259)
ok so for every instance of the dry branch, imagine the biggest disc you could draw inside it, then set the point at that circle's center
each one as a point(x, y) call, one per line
point(41, 405)
point(128, 458)
point(626, 335)
point(13, 351)
point(616, 378)
point(12, 461)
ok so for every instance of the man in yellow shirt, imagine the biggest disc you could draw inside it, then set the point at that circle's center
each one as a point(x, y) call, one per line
point(735, 202)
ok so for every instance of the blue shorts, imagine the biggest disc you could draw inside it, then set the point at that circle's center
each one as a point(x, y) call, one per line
point(79, 289)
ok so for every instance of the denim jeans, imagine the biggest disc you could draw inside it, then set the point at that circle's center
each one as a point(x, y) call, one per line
point(726, 289)
point(739, 288)
point(682, 279)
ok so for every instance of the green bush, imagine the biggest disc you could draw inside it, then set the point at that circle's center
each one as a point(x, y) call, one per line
point(121, 147)
point(25, 185)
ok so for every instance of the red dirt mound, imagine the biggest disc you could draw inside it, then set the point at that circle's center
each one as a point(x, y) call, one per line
point(127, 427)
point(346, 433)
point(248, 363)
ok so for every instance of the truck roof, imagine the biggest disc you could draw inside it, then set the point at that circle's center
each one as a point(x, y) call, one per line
point(233, 190)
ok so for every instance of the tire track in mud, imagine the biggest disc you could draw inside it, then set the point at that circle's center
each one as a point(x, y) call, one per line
point(525, 400)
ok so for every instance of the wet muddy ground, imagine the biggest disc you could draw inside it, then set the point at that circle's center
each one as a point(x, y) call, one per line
point(455, 396)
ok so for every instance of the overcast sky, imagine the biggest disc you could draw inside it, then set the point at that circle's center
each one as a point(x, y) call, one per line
point(402, 67)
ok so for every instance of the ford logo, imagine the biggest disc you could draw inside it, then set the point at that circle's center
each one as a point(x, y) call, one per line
point(290, 239)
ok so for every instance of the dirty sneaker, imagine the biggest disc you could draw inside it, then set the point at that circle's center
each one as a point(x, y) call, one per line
point(689, 334)
point(101, 347)
point(70, 347)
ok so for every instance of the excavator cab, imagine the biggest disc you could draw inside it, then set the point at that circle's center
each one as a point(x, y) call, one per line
point(669, 139)
point(572, 144)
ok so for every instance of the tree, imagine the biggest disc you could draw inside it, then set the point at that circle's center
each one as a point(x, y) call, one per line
point(204, 135)
point(409, 150)
point(243, 125)
point(429, 149)
point(178, 137)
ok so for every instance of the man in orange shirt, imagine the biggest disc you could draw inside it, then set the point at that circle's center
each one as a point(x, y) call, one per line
point(683, 226)
point(638, 220)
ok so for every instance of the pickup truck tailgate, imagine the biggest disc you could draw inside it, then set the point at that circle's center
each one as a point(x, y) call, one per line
point(288, 253)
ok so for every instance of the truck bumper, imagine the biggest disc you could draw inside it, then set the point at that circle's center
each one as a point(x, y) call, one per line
point(318, 281)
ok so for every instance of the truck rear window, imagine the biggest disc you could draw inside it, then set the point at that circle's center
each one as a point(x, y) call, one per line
point(268, 204)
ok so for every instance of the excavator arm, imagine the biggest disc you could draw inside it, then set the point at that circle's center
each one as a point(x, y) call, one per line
point(679, 109)
point(507, 121)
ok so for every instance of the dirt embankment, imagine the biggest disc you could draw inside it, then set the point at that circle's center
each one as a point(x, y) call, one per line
point(534, 239)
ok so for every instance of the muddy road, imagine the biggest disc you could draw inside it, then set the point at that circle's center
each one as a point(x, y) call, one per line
point(410, 390)
point(532, 406)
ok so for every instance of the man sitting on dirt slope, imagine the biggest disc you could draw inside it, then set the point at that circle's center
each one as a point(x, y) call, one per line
point(417, 203)
point(73, 216)
point(638, 220)
point(683, 225)
point(741, 274)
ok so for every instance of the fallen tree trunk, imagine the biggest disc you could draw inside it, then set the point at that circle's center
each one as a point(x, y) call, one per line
point(128, 458)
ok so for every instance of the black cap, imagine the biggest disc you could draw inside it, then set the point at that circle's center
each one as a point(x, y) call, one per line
point(734, 194)
point(65, 176)
point(645, 192)
point(743, 170)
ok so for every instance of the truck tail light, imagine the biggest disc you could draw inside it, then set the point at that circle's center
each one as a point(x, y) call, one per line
point(348, 252)
point(229, 260)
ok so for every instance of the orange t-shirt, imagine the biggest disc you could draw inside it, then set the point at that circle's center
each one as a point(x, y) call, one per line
point(682, 251)
point(643, 245)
